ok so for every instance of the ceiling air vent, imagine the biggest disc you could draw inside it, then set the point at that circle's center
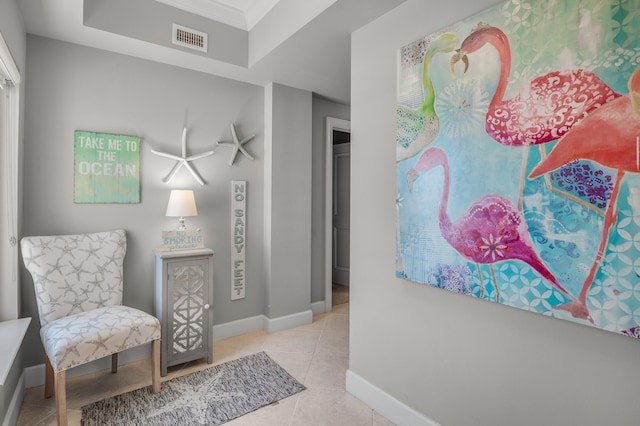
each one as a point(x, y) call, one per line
point(187, 37)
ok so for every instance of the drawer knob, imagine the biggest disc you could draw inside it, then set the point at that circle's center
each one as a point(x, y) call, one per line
point(207, 306)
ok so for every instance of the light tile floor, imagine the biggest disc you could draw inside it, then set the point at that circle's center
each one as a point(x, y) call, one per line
point(317, 355)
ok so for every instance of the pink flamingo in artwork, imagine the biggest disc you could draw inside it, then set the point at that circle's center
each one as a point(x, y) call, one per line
point(543, 110)
point(491, 230)
point(609, 136)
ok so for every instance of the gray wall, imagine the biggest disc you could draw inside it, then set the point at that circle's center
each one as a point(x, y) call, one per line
point(288, 243)
point(458, 360)
point(322, 109)
point(70, 88)
point(13, 33)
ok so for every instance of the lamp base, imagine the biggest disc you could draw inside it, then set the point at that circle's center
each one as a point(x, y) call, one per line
point(181, 225)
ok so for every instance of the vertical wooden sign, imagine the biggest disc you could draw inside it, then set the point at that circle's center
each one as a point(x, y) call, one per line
point(238, 238)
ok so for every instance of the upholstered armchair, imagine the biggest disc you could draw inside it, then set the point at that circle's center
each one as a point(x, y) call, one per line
point(78, 282)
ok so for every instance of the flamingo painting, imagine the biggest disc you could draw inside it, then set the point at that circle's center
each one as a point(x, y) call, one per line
point(418, 128)
point(491, 230)
point(544, 109)
point(524, 189)
point(609, 136)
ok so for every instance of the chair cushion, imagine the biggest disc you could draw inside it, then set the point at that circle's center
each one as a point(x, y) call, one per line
point(84, 337)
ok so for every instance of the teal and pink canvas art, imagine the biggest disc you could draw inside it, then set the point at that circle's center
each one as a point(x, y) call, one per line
point(518, 159)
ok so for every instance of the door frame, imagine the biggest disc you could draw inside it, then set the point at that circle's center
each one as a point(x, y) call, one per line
point(331, 125)
point(9, 170)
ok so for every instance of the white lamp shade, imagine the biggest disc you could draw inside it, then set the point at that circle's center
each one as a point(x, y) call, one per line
point(182, 203)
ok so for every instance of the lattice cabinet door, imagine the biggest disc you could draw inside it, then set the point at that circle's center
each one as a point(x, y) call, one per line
point(184, 296)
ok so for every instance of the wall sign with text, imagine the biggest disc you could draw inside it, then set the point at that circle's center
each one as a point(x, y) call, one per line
point(106, 168)
point(238, 238)
point(191, 239)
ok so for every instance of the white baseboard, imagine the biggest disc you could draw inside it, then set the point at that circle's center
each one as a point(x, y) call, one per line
point(13, 410)
point(33, 376)
point(261, 322)
point(393, 409)
point(288, 321)
point(236, 328)
point(319, 307)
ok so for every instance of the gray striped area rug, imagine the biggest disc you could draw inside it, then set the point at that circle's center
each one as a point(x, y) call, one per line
point(208, 397)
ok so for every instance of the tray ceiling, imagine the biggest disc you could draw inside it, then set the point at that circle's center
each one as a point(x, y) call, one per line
point(243, 14)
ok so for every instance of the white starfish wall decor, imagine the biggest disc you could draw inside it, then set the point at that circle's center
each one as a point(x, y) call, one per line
point(237, 145)
point(183, 161)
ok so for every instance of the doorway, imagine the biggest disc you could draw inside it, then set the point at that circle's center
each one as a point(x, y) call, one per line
point(337, 209)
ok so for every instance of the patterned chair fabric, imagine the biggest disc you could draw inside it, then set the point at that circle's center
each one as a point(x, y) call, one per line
point(78, 283)
point(84, 337)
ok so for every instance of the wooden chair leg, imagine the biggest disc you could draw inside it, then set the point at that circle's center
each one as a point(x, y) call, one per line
point(114, 363)
point(155, 366)
point(61, 398)
point(48, 377)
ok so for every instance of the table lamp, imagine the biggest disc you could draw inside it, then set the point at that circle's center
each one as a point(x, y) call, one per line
point(182, 203)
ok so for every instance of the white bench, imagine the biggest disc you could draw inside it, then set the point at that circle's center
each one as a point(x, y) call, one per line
point(11, 334)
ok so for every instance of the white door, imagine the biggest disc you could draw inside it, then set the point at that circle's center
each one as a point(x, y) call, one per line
point(341, 209)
